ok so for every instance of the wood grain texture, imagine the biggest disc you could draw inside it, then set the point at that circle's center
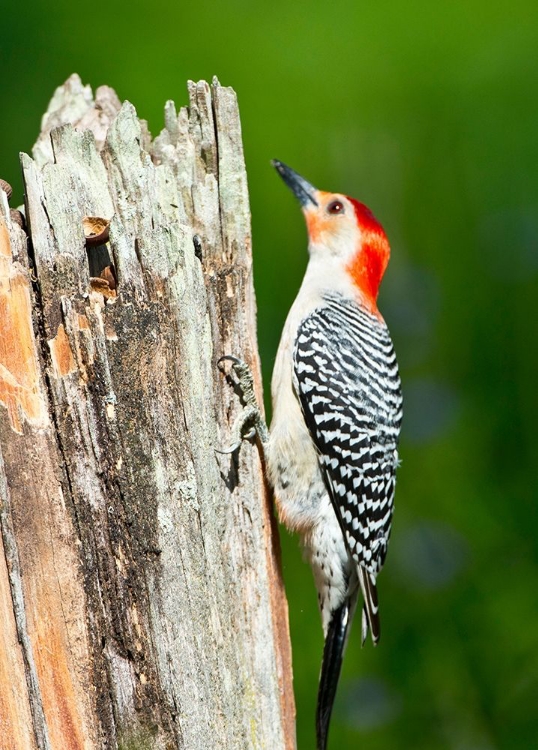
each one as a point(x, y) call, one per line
point(142, 567)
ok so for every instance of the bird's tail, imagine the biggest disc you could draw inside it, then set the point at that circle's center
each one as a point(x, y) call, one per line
point(333, 653)
point(370, 609)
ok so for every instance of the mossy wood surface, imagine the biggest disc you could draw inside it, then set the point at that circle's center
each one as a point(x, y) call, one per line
point(141, 602)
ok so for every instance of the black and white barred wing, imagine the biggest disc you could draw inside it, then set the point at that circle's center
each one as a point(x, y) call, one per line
point(346, 377)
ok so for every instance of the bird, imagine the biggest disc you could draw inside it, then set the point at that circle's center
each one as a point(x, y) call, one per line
point(332, 450)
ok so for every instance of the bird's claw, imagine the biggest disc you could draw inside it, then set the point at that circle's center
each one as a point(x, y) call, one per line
point(251, 414)
point(229, 358)
point(246, 417)
point(231, 449)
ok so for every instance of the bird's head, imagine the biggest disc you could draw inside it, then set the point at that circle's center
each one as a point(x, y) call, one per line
point(343, 232)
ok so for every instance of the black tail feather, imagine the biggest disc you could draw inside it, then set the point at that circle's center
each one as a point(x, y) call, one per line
point(333, 652)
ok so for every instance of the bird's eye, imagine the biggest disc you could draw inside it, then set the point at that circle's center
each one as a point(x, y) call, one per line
point(336, 207)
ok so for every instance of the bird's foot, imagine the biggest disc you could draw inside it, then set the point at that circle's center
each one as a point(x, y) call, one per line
point(251, 416)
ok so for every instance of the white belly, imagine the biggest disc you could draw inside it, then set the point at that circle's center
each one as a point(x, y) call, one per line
point(301, 496)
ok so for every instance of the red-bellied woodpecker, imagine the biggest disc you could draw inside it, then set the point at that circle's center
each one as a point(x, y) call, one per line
point(332, 449)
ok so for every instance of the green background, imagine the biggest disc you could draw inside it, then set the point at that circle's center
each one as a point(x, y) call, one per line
point(427, 112)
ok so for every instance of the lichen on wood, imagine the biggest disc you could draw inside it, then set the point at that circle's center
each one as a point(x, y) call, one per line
point(141, 587)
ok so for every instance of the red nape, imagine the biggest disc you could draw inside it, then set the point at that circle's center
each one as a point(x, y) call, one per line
point(371, 259)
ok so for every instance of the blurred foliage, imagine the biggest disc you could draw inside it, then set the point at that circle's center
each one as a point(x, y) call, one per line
point(428, 112)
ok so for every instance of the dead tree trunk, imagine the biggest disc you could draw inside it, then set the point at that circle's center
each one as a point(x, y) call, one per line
point(141, 603)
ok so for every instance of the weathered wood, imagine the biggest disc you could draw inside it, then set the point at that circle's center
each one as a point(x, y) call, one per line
point(141, 600)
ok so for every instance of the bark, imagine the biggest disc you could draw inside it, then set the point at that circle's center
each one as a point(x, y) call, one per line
point(141, 600)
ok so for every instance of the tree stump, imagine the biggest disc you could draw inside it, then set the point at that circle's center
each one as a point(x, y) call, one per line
point(141, 600)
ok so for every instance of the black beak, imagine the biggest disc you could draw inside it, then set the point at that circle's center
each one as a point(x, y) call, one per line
point(302, 189)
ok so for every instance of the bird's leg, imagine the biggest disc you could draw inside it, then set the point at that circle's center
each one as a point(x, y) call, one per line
point(251, 415)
